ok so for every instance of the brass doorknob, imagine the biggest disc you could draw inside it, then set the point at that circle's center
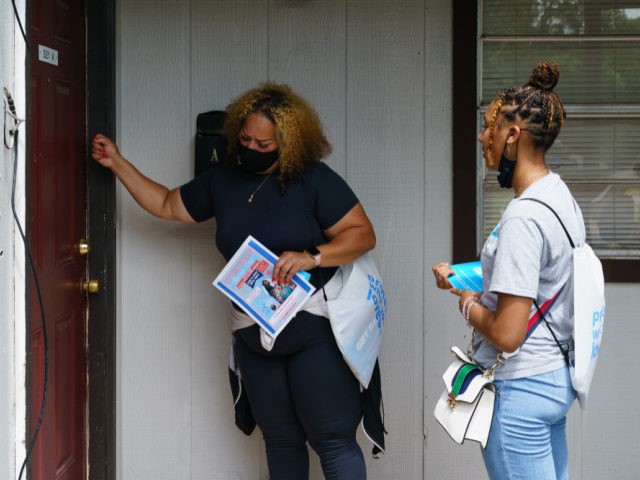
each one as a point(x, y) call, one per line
point(83, 247)
point(90, 286)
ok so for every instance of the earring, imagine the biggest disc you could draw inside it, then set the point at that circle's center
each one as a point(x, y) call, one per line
point(509, 149)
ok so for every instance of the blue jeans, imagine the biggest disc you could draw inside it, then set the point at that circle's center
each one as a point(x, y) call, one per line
point(528, 439)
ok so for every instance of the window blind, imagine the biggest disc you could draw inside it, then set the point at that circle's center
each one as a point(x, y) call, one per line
point(596, 45)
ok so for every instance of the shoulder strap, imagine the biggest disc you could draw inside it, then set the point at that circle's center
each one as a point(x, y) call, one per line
point(564, 351)
point(538, 316)
point(534, 320)
point(557, 216)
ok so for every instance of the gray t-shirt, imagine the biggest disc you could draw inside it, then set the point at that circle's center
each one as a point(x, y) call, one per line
point(528, 254)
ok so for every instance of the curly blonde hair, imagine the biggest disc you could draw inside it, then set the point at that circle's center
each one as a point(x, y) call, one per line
point(301, 140)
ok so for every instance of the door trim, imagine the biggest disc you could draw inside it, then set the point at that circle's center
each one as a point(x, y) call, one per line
point(101, 347)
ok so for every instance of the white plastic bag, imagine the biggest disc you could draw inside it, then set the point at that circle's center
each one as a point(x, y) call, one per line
point(357, 316)
point(588, 318)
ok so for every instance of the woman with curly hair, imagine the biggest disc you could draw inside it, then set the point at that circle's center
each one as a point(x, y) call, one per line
point(526, 269)
point(276, 188)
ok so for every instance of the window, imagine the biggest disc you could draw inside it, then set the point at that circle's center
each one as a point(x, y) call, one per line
point(596, 45)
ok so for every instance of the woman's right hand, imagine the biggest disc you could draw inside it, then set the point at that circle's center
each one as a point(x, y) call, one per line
point(155, 198)
point(104, 150)
point(442, 271)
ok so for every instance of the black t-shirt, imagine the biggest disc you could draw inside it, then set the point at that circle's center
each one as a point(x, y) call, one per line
point(289, 221)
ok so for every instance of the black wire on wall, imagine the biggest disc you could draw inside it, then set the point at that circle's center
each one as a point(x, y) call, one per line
point(24, 35)
point(27, 250)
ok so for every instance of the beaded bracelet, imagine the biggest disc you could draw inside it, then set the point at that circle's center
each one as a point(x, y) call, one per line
point(468, 312)
point(465, 305)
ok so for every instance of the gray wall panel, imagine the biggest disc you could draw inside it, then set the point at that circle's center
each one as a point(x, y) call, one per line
point(153, 305)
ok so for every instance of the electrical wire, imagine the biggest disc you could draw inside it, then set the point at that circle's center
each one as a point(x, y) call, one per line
point(42, 314)
point(24, 35)
point(31, 264)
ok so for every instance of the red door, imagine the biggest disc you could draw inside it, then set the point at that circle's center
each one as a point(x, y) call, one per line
point(56, 210)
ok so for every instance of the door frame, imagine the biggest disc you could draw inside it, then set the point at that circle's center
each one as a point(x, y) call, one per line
point(101, 227)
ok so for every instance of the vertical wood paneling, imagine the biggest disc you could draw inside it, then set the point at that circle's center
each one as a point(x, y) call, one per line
point(7, 332)
point(8, 360)
point(607, 444)
point(385, 165)
point(229, 49)
point(307, 50)
point(154, 311)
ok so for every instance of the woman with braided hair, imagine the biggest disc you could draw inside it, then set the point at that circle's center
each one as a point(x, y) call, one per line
point(275, 187)
point(526, 264)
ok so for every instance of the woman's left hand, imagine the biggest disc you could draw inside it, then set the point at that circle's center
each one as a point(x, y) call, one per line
point(291, 263)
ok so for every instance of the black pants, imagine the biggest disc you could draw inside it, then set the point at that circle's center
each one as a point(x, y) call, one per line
point(301, 391)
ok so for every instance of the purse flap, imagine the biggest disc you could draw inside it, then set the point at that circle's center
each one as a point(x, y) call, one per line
point(464, 381)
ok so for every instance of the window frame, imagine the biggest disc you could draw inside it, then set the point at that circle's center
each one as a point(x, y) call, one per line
point(465, 173)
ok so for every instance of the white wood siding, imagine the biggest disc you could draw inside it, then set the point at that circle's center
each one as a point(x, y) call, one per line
point(12, 304)
point(379, 73)
point(7, 411)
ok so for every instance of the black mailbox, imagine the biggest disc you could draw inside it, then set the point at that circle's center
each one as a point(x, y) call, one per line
point(211, 145)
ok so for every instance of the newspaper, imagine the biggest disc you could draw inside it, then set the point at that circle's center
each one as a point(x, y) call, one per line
point(247, 281)
point(468, 276)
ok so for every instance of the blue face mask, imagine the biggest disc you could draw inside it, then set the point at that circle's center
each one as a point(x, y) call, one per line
point(253, 161)
point(506, 168)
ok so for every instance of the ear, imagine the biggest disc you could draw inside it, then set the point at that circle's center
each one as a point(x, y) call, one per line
point(514, 134)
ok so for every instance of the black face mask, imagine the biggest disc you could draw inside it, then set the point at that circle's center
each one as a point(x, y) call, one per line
point(506, 168)
point(254, 161)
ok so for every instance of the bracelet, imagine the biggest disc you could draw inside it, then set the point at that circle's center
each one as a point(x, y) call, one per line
point(465, 305)
point(468, 312)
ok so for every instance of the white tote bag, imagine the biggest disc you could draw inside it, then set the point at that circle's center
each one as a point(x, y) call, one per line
point(357, 316)
point(588, 318)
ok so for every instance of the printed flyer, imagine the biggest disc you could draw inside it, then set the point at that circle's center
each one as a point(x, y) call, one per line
point(246, 280)
point(468, 276)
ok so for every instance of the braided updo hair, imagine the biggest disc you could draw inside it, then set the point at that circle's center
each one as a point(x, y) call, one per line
point(535, 105)
point(301, 140)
